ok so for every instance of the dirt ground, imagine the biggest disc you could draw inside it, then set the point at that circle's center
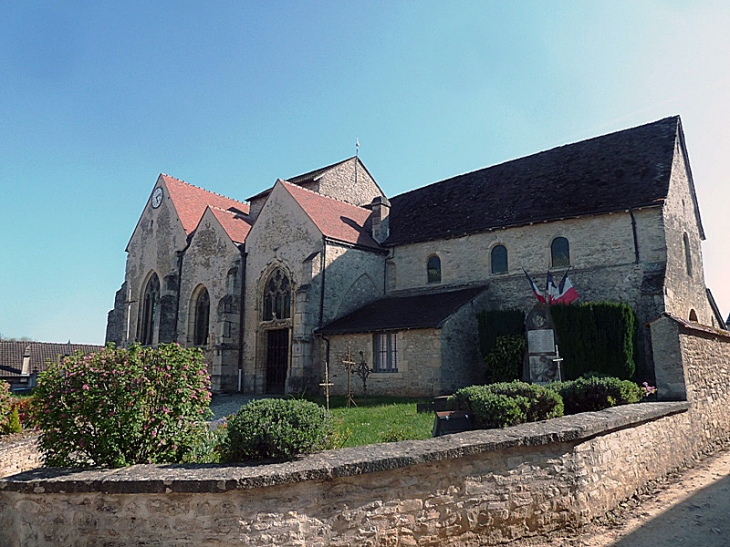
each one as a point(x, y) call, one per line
point(691, 508)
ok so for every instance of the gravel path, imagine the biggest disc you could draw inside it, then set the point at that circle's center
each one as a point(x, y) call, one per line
point(225, 404)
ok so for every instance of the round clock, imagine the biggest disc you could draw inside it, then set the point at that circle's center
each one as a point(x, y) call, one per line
point(156, 197)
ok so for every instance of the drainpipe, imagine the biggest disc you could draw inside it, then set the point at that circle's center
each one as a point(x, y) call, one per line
point(241, 316)
point(636, 239)
point(180, 256)
point(323, 264)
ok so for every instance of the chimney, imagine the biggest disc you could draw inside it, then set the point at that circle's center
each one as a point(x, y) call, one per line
point(380, 218)
point(25, 371)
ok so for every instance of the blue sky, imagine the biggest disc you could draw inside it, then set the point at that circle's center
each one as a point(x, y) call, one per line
point(98, 98)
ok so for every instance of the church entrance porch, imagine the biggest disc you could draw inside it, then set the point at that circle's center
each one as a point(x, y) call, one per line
point(277, 359)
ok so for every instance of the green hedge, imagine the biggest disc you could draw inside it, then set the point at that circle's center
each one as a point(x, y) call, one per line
point(277, 429)
point(596, 336)
point(506, 404)
point(496, 323)
point(596, 393)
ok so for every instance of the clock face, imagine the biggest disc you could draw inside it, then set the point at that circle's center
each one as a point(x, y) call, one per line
point(156, 197)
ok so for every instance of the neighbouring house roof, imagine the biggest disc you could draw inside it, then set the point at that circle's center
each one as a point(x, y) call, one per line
point(12, 353)
point(236, 225)
point(191, 201)
point(335, 219)
point(416, 311)
point(619, 171)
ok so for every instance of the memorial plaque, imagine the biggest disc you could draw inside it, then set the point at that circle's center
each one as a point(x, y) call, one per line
point(541, 341)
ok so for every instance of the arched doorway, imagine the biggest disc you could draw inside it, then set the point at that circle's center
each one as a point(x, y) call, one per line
point(277, 325)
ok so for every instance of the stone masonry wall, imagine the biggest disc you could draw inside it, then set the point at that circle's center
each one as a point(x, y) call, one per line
point(475, 488)
point(19, 453)
point(419, 364)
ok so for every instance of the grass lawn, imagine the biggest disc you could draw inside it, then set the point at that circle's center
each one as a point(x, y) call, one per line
point(379, 419)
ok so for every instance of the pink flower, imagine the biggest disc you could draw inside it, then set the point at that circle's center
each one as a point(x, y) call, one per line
point(85, 387)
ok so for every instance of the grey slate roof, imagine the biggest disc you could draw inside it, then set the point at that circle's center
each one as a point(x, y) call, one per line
point(420, 311)
point(11, 355)
point(622, 170)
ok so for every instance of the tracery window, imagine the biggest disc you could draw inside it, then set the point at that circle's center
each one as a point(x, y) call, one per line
point(499, 259)
point(560, 252)
point(433, 269)
point(202, 318)
point(150, 305)
point(277, 297)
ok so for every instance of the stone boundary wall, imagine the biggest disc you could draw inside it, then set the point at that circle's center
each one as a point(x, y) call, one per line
point(474, 488)
point(19, 453)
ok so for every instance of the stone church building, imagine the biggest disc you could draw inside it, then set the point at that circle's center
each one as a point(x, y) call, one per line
point(323, 266)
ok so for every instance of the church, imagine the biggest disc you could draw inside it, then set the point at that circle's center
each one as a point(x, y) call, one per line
point(278, 290)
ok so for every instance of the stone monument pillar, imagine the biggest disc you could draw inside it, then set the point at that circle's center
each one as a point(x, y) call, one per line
point(543, 359)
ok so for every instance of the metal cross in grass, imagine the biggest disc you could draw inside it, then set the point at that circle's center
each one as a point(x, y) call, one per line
point(349, 364)
point(363, 371)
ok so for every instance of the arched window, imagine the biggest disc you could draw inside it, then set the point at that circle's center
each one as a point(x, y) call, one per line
point(150, 303)
point(560, 252)
point(277, 297)
point(433, 269)
point(202, 318)
point(687, 255)
point(499, 259)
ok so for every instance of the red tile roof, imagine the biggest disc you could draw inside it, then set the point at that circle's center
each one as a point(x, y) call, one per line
point(335, 219)
point(190, 202)
point(11, 354)
point(235, 225)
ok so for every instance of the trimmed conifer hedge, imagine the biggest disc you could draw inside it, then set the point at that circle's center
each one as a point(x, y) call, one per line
point(596, 337)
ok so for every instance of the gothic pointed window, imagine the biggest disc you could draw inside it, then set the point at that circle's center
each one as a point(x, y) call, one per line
point(150, 306)
point(560, 252)
point(499, 259)
point(277, 297)
point(433, 269)
point(202, 318)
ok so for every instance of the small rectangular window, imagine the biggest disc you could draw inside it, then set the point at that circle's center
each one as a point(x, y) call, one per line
point(385, 352)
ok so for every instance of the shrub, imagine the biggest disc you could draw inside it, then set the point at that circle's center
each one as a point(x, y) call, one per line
point(504, 362)
point(13, 425)
point(542, 403)
point(489, 410)
point(24, 404)
point(600, 336)
point(6, 404)
point(596, 393)
point(277, 429)
point(122, 407)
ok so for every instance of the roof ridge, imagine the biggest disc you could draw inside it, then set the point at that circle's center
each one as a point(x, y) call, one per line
point(202, 189)
point(321, 195)
point(520, 158)
point(320, 169)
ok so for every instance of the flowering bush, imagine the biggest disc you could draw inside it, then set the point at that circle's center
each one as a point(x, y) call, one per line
point(23, 405)
point(122, 407)
point(647, 389)
point(6, 405)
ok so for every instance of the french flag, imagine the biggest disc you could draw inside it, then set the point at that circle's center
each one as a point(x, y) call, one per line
point(552, 293)
point(537, 292)
point(566, 291)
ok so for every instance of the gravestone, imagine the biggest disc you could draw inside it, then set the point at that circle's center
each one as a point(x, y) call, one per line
point(543, 359)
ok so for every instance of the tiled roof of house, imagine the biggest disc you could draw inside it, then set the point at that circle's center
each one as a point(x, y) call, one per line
point(236, 226)
point(12, 353)
point(622, 170)
point(190, 202)
point(335, 219)
point(419, 311)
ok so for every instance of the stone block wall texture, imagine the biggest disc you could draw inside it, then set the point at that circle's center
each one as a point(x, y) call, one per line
point(19, 453)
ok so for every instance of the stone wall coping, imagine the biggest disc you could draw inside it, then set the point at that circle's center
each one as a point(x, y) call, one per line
point(215, 478)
